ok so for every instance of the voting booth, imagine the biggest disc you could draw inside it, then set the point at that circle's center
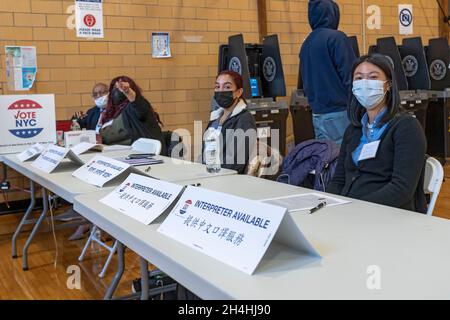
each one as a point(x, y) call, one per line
point(411, 73)
point(300, 109)
point(438, 115)
point(262, 71)
point(424, 81)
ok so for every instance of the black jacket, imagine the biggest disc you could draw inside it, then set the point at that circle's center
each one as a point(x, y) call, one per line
point(89, 122)
point(242, 148)
point(395, 177)
point(141, 122)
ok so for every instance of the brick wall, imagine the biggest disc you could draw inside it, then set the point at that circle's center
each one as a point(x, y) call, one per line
point(180, 87)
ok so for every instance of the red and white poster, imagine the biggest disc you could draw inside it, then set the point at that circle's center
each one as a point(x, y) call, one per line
point(26, 120)
point(89, 18)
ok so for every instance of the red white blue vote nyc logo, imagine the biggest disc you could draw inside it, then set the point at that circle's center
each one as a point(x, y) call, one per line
point(25, 114)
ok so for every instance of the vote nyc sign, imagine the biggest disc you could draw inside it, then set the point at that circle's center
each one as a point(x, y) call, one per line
point(405, 19)
point(26, 120)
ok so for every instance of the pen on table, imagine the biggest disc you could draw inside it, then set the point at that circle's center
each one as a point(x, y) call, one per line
point(320, 205)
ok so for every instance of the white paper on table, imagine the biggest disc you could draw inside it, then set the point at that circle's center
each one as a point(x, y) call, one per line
point(234, 230)
point(50, 158)
point(142, 198)
point(82, 147)
point(304, 201)
point(31, 152)
point(101, 170)
point(115, 147)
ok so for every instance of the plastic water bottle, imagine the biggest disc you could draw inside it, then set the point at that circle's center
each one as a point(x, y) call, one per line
point(75, 125)
point(212, 152)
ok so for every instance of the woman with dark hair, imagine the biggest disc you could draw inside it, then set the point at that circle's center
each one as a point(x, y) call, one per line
point(128, 115)
point(232, 122)
point(383, 152)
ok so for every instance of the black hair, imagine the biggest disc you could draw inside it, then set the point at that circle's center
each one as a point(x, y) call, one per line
point(356, 110)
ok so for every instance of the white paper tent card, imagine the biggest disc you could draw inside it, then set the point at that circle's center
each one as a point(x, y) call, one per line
point(234, 230)
point(31, 153)
point(53, 156)
point(83, 147)
point(142, 198)
point(101, 170)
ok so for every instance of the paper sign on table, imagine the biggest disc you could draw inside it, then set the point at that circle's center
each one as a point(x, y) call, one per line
point(83, 147)
point(31, 152)
point(52, 158)
point(234, 230)
point(101, 170)
point(142, 198)
point(72, 138)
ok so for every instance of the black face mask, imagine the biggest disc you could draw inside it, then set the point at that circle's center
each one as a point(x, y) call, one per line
point(224, 98)
point(117, 97)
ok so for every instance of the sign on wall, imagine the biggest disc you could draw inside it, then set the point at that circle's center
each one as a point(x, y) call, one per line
point(89, 18)
point(21, 67)
point(405, 19)
point(26, 120)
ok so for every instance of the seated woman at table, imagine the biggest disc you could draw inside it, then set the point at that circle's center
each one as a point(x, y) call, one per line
point(232, 122)
point(383, 152)
point(128, 115)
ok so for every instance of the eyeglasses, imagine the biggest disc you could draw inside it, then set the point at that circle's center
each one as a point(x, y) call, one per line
point(98, 94)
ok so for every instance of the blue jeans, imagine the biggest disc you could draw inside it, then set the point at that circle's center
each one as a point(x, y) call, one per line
point(330, 126)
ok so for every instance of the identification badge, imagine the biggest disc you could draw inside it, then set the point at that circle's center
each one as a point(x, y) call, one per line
point(369, 150)
point(107, 124)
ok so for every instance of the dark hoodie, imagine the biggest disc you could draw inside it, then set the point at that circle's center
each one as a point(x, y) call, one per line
point(326, 59)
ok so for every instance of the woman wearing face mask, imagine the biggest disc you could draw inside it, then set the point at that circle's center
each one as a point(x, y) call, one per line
point(128, 115)
point(232, 115)
point(383, 152)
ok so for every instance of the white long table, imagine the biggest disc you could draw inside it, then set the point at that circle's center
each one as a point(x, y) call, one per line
point(410, 250)
point(62, 183)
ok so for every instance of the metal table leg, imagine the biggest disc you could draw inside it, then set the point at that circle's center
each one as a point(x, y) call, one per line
point(24, 219)
point(144, 279)
point(35, 230)
point(120, 269)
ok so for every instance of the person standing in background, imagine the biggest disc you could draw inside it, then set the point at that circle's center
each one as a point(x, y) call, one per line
point(326, 59)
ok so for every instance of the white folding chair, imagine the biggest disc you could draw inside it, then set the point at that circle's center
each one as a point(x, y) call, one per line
point(95, 236)
point(141, 145)
point(434, 175)
point(147, 146)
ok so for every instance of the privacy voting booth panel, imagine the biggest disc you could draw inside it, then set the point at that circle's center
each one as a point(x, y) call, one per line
point(259, 64)
point(438, 58)
point(272, 68)
point(354, 42)
point(414, 64)
point(388, 47)
point(438, 114)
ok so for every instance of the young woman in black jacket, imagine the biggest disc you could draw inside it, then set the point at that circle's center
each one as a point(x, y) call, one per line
point(232, 122)
point(383, 152)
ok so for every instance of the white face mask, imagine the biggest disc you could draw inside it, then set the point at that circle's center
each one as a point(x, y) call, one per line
point(101, 102)
point(369, 93)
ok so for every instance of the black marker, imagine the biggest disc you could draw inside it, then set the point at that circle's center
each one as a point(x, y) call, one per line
point(320, 205)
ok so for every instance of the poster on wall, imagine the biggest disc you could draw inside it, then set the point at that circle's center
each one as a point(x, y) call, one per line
point(21, 67)
point(405, 19)
point(161, 45)
point(89, 18)
point(26, 120)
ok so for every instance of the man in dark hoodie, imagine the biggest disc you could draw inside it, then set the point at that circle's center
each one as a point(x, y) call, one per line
point(326, 59)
